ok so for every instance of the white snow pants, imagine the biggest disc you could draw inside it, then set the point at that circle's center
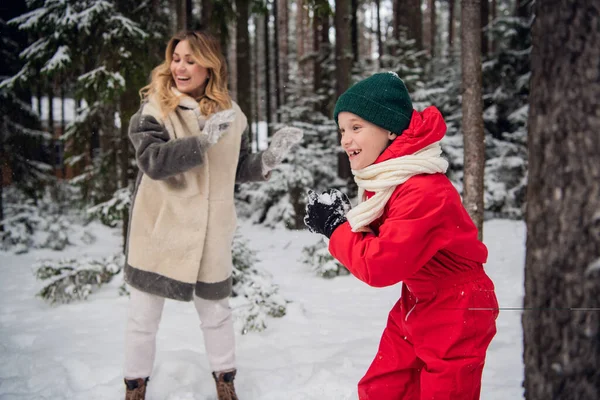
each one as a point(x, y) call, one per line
point(145, 311)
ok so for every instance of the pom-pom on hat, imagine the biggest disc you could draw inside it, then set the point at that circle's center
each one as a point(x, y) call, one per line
point(381, 99)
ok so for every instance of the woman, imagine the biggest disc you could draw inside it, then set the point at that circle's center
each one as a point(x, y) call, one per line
point(191, 146)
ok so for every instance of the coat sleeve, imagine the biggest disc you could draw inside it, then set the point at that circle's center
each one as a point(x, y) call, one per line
point(413, 231)
point(159, 156)
point(249, 166)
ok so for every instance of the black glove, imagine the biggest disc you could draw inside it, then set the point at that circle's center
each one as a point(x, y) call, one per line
point(325, 212)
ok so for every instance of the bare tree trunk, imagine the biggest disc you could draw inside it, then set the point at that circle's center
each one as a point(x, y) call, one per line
point(522, 8)
point(180, 20)
point(276, 61)
point(472, 112)
point(416, 24)
point(378, 27)
point(300, 40)
point(231, 51)
point(323, 54)
point(189, 17)
point(267, 71)
point(283, 29)
point(493, 18)
point(432, 26)
point(317, 26)
point(485, 12)
point(451, 6)
point(561, 327)
point(2, 166)
point(129, 103)
point(366, 33)
point(63, 124)
point(307, 38)
point(343, 63)
point(395, 21)
point(409, 16)
point(243, 65)
point(51, 110)
point(206, 13)
point(256, 76)
point(354, 29)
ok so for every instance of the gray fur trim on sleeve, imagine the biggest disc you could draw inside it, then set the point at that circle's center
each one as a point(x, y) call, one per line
point(249, 166)
point(159, 156)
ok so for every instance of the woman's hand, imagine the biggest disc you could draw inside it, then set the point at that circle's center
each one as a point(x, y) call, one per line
point(281, 143)
point(218, 124)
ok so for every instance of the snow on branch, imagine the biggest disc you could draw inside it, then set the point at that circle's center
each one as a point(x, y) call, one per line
point(60, 59)
point(70, 280)
point(255, 296)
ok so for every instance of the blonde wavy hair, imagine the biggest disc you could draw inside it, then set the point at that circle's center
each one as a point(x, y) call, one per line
point(206, 51)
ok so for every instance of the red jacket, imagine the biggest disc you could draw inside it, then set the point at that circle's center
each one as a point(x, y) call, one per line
point(425, 234)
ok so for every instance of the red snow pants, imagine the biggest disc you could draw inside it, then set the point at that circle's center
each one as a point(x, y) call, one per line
point(434, 344)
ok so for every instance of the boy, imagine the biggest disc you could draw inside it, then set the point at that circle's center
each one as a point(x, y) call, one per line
point(412, 227)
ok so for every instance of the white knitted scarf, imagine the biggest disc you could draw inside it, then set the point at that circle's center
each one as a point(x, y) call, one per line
point(382, 178)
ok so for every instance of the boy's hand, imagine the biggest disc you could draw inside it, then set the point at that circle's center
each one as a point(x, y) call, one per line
point(281, 143)
point(325, 212)
point(218, 124)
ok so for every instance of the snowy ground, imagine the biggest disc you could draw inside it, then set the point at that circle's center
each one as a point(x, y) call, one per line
point(319, 350)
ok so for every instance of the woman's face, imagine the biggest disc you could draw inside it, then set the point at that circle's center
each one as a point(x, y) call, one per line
point(189, 77)
point(362, 141)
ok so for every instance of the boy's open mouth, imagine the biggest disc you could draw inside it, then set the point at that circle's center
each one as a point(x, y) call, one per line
point(353, 153)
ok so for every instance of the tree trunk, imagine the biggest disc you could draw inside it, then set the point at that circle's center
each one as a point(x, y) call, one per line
point(492, 19)
point(485, 12)
point(343, 63)
point(378, 27)
point(189, 17)
point(244, 89)
point(522, 8)
point(129, 103)
point(2, 166)
point(317, 26)
point(561, 327)
point(307, 39)
point(409, 16)
point(320, 43)
point(51, 110)
point(206, 13)
point(256, 76)
point(180, 18)
point(472, 112)
point(416, 25)
point(231, 51)
point(395, 21)
point(432, 26)
point(61, 165)
point(267, 70)
point(450, 27)
point(300, 41)
point(283, 29)
point(276, 61)
point(354, 30)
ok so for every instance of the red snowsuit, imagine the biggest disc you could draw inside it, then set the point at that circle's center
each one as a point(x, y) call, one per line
point(437, 334)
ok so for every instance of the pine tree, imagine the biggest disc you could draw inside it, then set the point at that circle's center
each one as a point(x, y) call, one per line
point(98, 52)
point(24, 147)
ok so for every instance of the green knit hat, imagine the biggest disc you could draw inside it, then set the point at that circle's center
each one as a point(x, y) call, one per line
point(381, 99)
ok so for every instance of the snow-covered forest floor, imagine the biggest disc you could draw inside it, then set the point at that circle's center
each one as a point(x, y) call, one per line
point(318, 350)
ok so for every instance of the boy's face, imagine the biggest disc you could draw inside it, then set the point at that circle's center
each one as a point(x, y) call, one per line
point(362, 141)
